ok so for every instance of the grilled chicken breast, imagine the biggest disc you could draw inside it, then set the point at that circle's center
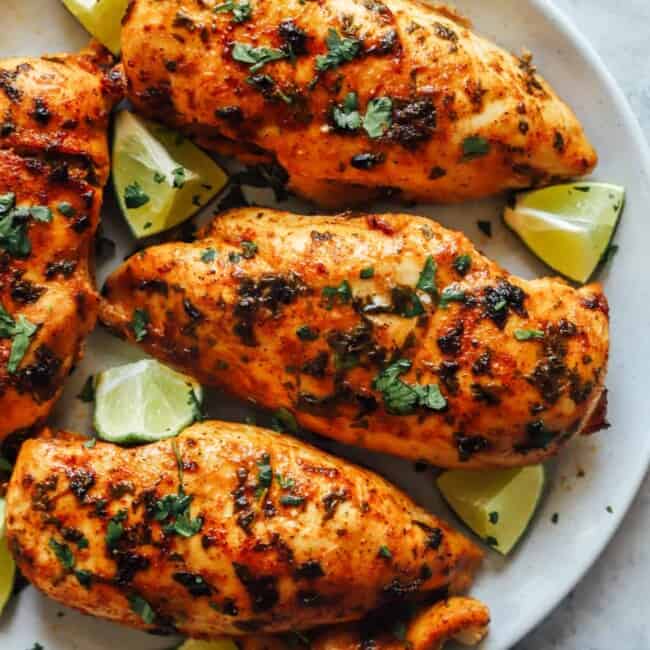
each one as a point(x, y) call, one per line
point(460, 619)
point(53, 164)
point(387, 332)
point(348, 99)
point(227, 529)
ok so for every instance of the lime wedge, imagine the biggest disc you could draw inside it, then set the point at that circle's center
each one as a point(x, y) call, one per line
point(144, 402)
point(161, 179)
point(102, 18)
point(7, 564)
point(217, 644)
point(497, 505)
point(569, 227)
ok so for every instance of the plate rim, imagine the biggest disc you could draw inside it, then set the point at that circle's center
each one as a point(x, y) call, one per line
point(564, 24)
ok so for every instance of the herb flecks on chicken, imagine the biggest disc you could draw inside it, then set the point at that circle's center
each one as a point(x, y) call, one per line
point(353, 99)
point(438, 354)
point(53, 165)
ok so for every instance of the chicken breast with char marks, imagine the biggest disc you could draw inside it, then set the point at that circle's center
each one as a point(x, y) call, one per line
point(227, 529)
point(53, 165)
point(383, 331)
point(347, 99)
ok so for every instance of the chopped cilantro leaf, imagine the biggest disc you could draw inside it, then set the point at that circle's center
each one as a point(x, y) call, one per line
point(306, 333)
point(475, 146)
point(342, 294)
point(241, 11)
point(494, 517)
point(462, 264)
point(452, 293)
point(20, 332)
point(384, 552)
point(367, 273)
point(208, 255)
point(63, 553)
point(142, 608)
point(284, 482)
point(140, 324)
point(178, 177)
point(347, 116)
point(159, 178)
point(378, 117)
point(527, 335)
point(256, 57)
point(87, 393)
point(291, 500)
point(340, 50)
point(66, 209)
point(284, 420)
point(427, 281)
point(134, 196)
point(249, 249)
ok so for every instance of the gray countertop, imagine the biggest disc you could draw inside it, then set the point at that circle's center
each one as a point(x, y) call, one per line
point(609, 608)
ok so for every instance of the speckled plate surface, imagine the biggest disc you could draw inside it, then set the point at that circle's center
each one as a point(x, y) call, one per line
point(595, 475)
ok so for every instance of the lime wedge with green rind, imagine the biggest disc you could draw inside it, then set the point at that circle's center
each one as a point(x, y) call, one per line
point(7, 564)
point(161, 178)
point(498, 505)
point(569, 227)
point(144, 402)
point(102, 18)
point(217, 644)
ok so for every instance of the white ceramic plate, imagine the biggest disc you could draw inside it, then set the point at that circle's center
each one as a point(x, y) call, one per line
point(522, 589)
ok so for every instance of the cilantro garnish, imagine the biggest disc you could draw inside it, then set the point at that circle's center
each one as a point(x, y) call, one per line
point(140, 324)
point(401, 398)
point(20, 332)
point(306, 333)
point(241, 11)
point(63, 553)
point(452, 293)
point(134, 196)
point(367, 273)
point(208, 255)
point(173, 510)
point(462, 264)
point(115, 528)
point(475, 146)
point(178, 177)
point(66, 209)
point(378, 117)
point(527, 335)
point(249, 250)
point(342, 294)
point(13, 225)
point(340, 50)
point(291, 500)
point(256, 57)
point(142, 608)
point(264, 475)
point(87, 393)
point(284, 420)
point(427, 281)
point(346, 116)
point(384, 552)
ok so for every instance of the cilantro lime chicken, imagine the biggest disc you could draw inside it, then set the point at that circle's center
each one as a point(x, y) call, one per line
point(387, 332)
point(230, 529)
point(344, 100)
point(53, 164)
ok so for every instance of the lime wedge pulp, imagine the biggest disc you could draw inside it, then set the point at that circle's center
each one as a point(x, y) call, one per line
point(102, 18)
point(497, 505)
point(217, 644)
point(144, 402)
point(161, 179)
point(7, 564)
point(569, 227)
